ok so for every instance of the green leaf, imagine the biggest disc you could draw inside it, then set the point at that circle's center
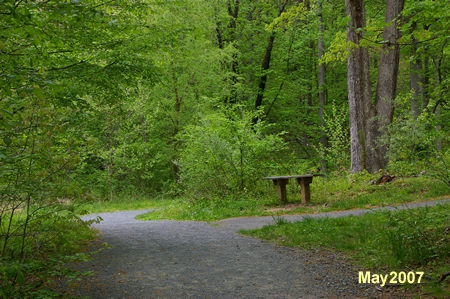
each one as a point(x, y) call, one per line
point(7, 140)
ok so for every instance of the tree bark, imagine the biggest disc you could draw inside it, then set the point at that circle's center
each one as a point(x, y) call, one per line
point(368, 120)
point(416, 79)
point(386, 87)
point(178, 100)
point(358, 81)
point(322, 84)
point(266, 64)
point(233, 12)
point(111, 172)
point(426, 81)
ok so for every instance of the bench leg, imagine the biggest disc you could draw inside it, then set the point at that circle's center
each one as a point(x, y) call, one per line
point(306, 193)
point(281, 184)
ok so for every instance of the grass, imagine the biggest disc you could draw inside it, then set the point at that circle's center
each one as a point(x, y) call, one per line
point(327, 194)
point(208, 210)
point(121, 204)
point(407, 240)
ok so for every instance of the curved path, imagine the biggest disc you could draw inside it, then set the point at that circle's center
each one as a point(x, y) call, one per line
point(187, 259)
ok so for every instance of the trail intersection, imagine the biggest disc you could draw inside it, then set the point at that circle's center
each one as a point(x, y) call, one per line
point(188, 259)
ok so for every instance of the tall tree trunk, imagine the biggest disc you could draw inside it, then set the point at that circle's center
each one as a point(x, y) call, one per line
point(178, 100)
point(358, 81)
point(234, 13)
point(416, 79)
point(264, 67)
point(311, 80)
point(440, 96)
point(110, 165)
point(266, 64)
point(322, 84)
point(386, 87)
point(287, 71)
point(142, 116)
point(111, 172)
point(426, 80)
point(368, 120)
point(439, 141)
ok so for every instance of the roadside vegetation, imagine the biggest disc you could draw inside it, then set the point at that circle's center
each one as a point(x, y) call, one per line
point(31, 262)
point(327, 194)
point(122, 204)
point(406, 240)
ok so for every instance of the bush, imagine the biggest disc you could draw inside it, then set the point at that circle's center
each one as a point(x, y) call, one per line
point(413, 146)
point(226, 154)
point(337, 153)
point(54, 236)
point(412, 139)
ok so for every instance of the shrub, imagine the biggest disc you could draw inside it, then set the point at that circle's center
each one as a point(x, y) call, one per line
point(337, 153)
point(226, 154)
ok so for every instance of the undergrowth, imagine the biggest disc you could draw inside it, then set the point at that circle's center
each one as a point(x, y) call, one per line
point(327, 194)
point(55, 238)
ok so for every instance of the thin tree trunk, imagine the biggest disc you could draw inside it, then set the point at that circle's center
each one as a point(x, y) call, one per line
point(266, 64)
point(264, 67)
point(440, 96)
point(416, 86)
point(178, 100)
point(222, 40)
point(110, 171)
point(426, 80)
point(142, 119)
point(439, 142)
point(322, 84)
point(311, 79)
point(416, 80)
point(287, 71)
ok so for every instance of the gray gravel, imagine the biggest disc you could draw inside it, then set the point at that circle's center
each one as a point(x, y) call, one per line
point(187, 259)
point(240, 223)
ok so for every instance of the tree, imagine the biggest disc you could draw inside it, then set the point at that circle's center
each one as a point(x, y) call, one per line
point(368, 119)
point(322, 79)
point(266, 63)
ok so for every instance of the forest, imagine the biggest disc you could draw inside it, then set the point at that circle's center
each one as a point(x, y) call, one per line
point(189, 103)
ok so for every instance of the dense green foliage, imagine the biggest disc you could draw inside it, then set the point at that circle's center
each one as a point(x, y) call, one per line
point(224, 156)
point(105, 100)
point(54, 239)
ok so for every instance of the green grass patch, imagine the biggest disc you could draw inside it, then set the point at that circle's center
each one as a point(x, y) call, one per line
point(209, 210)
point(327, 194)
point(404, 240)
point(122, 204)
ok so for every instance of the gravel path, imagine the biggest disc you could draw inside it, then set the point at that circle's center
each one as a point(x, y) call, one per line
point(187, 259)
point(239, 223)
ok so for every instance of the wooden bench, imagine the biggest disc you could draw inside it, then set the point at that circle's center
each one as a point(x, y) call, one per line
point(302, 180)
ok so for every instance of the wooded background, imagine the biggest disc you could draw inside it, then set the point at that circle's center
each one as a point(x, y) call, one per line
point(100, 99)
